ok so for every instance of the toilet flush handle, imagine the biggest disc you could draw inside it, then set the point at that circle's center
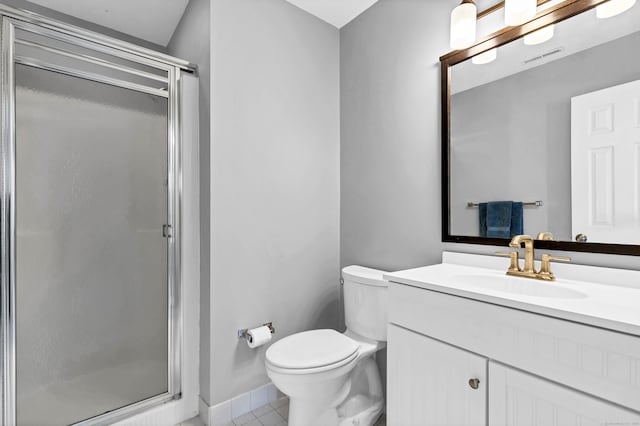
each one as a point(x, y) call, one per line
point(474, 383)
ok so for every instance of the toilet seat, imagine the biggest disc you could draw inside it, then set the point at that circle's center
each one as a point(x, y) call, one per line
point(312, 351)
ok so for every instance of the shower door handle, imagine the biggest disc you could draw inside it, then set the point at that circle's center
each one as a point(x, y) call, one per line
point(166, 231)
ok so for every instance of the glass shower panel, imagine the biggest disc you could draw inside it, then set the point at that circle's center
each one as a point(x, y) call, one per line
point(91, 277)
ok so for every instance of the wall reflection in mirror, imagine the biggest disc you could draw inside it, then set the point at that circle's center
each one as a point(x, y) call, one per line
point(549, 125)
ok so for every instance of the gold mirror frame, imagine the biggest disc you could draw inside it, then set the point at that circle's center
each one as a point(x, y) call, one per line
point(552, 15)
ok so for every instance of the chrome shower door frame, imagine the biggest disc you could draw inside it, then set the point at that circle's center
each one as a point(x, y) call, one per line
point(12, 19)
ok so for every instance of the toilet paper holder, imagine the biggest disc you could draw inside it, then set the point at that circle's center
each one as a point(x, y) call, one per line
point(242, 333)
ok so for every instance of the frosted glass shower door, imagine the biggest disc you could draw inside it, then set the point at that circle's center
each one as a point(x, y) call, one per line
point(91, 260)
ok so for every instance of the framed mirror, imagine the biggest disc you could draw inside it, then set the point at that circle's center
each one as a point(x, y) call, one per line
point(541, 132)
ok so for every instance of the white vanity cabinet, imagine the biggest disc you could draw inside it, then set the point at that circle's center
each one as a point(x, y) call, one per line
point(533, 369)
point(429, 382)
point(519, 399)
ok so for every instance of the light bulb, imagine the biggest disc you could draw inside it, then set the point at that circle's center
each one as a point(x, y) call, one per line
point(463, 25)
point(540, 36)
point(485, 57)
point(517, 12)
point(613, 8)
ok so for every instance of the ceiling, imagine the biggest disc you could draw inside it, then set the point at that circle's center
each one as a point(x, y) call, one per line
point(156, 20)
point(150, 20)
point(336, 12)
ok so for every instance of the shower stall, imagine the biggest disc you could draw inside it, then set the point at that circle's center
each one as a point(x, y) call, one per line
point(90, 224)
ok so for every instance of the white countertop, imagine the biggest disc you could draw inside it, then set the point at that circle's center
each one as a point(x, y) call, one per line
point(595, 301)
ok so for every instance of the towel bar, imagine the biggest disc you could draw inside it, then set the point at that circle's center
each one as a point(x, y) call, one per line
point(538, 203)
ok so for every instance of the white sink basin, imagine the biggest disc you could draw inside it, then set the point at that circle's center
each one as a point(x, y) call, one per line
point(603, 297)
point(519, 286)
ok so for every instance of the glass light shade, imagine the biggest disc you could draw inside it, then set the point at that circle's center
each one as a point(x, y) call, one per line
point(463, 25)
point(517, 12)
point(540, 36)
point(613, 8)
point(485, 57)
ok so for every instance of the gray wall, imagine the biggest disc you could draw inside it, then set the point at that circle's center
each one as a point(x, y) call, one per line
point(527, 117)
point(390, 140)
point(192, 41)
point(275, 181)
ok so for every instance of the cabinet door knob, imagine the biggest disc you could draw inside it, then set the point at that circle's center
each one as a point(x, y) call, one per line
point(474, 383)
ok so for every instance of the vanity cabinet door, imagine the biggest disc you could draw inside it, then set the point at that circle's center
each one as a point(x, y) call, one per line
point(431, 383)
point(519, 399)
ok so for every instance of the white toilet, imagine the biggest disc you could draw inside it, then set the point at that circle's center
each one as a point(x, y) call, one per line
point(331, 378)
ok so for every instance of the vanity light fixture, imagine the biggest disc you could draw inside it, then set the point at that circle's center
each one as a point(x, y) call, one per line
point(463, 25)
point(485, 57)
point(613, 8)
point(540, 36)
point(517, 12)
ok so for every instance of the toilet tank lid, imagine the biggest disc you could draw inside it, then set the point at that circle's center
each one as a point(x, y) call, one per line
point(363, 275)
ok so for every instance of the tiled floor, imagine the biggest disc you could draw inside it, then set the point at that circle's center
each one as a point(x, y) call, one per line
point(192, 422)
point(274, 414)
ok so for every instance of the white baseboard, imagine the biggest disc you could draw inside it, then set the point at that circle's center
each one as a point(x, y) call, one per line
point(223, 413)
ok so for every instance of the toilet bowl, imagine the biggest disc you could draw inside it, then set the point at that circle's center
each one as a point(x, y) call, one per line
point(332, 378)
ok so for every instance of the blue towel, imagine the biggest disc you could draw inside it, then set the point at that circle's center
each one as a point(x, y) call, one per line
point(517, 219)
point(482, 216)
point(500, 219)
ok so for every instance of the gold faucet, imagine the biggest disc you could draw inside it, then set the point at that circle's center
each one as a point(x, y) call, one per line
point(529, 270)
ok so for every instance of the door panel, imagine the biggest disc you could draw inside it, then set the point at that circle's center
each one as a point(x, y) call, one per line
point(92, 278)
point(520, 399)
point(428, 382)
point(605, 170)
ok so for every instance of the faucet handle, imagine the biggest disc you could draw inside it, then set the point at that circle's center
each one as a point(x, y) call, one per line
point(515, 261)
point(545, 266)
point(548, 236)
point(558, 258)
point(548, 258)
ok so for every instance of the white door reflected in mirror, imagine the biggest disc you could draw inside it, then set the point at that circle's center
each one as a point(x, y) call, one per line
point(605, 164)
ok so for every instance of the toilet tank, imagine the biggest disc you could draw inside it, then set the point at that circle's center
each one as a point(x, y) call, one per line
point(365, 302)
